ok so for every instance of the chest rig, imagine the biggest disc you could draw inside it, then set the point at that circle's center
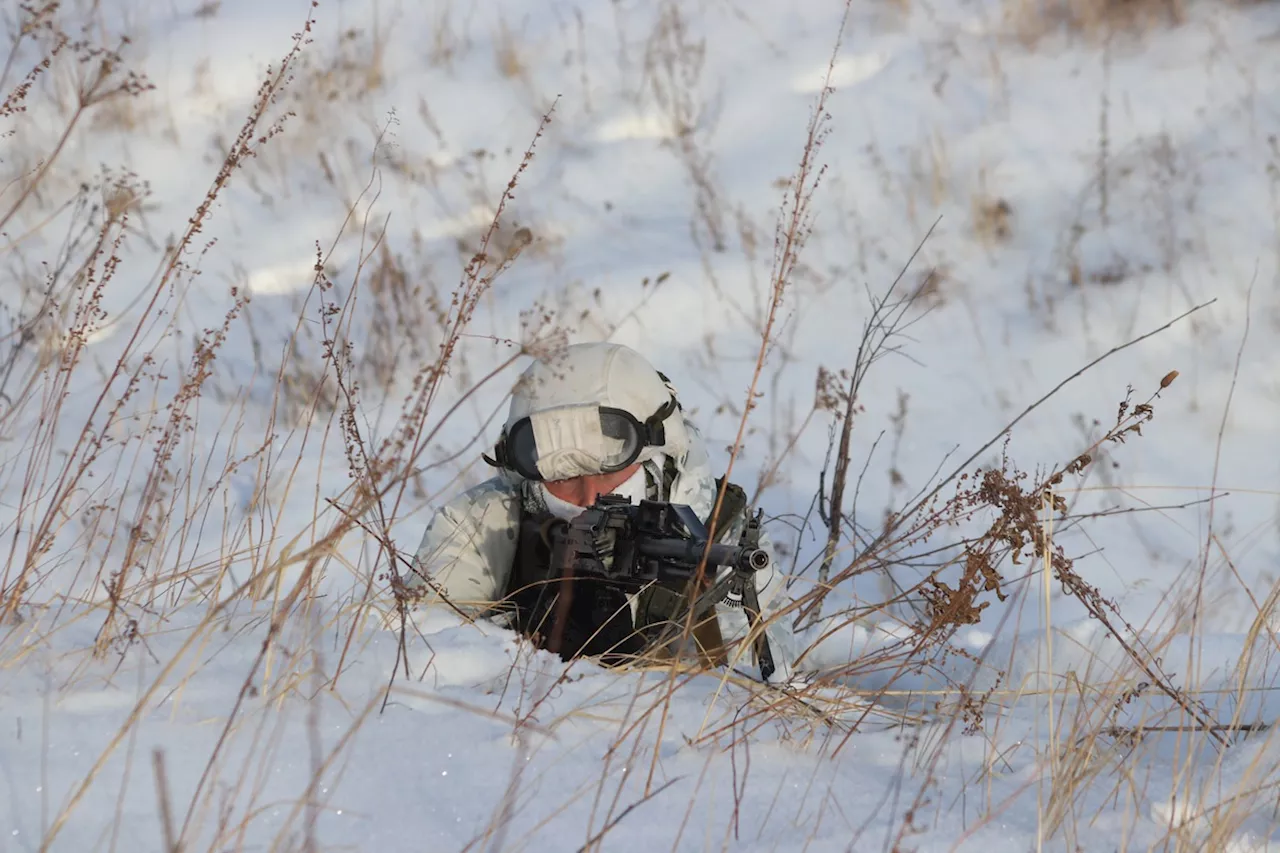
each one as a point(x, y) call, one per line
point(599, 621)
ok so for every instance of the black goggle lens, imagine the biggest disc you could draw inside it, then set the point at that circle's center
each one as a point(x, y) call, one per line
point(522, 450)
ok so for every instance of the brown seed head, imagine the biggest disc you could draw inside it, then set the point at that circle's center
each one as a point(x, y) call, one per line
point(1168, 379)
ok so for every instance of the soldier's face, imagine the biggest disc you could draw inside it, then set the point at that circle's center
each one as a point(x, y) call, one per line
point(583, 491)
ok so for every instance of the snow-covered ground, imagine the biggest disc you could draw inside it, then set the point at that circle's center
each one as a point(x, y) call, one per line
point(1078, 191)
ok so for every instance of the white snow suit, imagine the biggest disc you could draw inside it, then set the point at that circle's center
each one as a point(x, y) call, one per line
point(470, 545)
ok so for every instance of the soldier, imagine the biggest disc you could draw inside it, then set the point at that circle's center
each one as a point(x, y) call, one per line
point(589, 420)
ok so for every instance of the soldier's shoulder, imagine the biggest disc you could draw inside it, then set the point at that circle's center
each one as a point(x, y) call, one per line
point(489, 494)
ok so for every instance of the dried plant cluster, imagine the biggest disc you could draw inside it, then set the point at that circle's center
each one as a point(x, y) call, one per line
point(114, 497)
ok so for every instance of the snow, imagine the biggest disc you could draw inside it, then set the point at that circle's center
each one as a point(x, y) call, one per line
point(1140, 179)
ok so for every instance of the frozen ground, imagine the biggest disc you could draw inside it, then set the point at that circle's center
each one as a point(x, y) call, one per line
point(1081, 190)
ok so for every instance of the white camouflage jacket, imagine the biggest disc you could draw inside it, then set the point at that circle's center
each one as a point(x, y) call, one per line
point(470, 545)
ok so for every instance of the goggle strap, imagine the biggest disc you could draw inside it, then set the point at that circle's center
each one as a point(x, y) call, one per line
point(671, 388)
point(500, 458)
point(654, 431)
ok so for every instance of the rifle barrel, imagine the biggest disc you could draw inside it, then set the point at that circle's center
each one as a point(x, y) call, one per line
point(690, 551)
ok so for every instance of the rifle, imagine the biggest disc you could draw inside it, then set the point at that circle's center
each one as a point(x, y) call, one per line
point(629, 546)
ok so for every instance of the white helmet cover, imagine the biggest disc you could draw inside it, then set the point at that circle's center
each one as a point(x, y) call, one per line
point(563, 393)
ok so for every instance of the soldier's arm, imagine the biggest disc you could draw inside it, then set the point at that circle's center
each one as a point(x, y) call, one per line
point(468, 547)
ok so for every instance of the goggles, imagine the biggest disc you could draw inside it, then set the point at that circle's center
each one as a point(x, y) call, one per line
point(573, 441)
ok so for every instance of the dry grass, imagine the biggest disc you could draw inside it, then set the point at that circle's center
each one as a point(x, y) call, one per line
point(122, 506)
point(1033, 20)
point(139, 529)
point(673, 74)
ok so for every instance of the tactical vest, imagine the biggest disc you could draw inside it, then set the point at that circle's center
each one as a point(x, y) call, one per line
point(599, 621)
